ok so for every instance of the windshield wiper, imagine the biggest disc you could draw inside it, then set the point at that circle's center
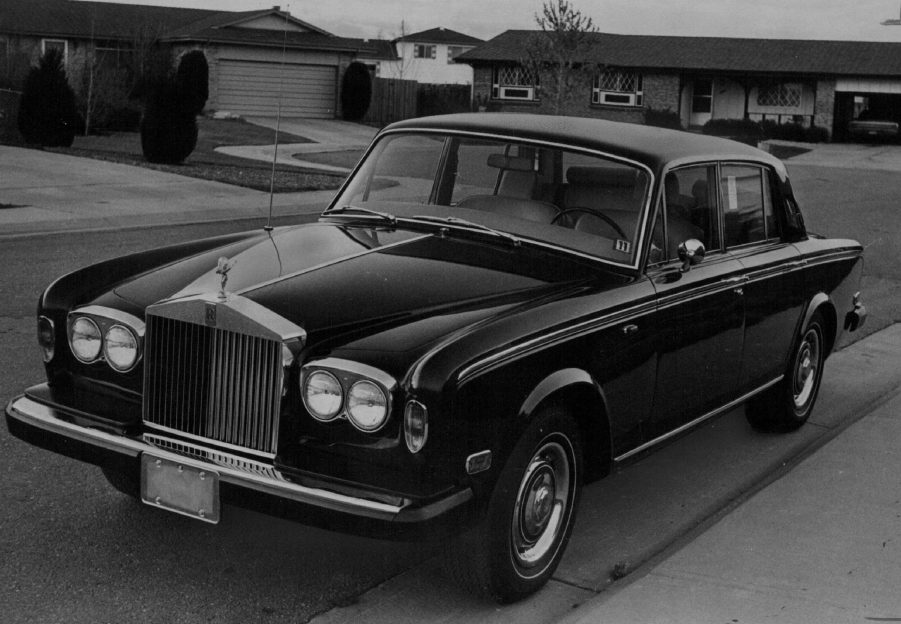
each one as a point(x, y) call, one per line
point(390, 218)
point(470, 224)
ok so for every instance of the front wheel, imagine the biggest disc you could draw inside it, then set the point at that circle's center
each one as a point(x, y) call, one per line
point(516, 548)
point(787, 405)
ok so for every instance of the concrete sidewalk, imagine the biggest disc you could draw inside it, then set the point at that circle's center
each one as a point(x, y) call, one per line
point(821, 544)
point(43, 192)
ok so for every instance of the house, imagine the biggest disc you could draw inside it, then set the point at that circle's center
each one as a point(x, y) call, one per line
point(429, 57)
point(257, 59)
point(822, 83)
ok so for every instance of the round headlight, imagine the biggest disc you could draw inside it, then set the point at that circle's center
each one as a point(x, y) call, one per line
point(120, 346)
point(322, 395)
point(367, 406)
point(85, 339)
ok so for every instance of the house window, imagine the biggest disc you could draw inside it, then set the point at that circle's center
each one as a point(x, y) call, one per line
point(619, 88)
point(56, 44)
point(454, 51)
point(702, 96)
point(424, 51)
point(514, 82)
point(785, 95)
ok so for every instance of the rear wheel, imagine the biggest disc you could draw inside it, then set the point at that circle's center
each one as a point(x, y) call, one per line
point(514, 551)
point(787, 405)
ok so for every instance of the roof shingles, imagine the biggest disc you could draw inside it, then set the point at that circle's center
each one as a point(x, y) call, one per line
point(789, 56)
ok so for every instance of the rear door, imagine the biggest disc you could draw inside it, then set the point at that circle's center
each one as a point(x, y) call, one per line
point(700, 316)
point(774, 284)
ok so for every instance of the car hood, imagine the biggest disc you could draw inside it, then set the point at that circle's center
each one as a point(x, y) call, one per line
point(353, 282)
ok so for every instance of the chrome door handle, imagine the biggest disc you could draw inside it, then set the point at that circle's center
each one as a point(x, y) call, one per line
point(630, 329)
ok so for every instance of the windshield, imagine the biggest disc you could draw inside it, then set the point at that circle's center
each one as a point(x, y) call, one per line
point(585, 201)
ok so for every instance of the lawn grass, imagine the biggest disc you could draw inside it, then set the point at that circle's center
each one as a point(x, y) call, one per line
point(208, 164)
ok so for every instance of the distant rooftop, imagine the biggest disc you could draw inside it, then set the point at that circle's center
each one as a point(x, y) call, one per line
point(789, 56)
point(440, 35)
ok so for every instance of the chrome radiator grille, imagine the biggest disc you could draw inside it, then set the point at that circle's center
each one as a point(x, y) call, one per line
point(212, 384)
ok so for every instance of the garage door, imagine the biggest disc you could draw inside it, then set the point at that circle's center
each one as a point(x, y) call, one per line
point(249, 88)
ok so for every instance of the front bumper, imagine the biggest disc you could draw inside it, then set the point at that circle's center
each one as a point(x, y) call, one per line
point(50, 428)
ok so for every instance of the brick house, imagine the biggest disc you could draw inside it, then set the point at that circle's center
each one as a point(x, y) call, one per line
point(254, 57)
point(822, 83)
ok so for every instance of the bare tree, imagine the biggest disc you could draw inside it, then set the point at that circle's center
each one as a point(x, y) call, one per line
point(559, 55)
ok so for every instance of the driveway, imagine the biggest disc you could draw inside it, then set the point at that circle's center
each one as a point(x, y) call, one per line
point(44, 192)
point(847, 155)
point(326, 135)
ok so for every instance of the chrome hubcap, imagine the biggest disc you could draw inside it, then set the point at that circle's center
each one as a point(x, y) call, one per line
point(806, 368)
point(541, 504)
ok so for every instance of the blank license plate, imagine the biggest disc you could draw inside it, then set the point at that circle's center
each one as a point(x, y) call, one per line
point(180, 487)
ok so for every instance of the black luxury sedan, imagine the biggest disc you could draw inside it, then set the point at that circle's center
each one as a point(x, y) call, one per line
point(494, 309)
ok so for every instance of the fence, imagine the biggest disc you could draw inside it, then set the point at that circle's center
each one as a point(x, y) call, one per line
point(394, 99)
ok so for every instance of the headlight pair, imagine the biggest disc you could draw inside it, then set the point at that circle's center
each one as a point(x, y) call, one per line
point(100, 333)
point(334, 388)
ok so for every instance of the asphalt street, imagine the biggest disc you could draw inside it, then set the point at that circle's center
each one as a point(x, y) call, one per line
point(73, 550)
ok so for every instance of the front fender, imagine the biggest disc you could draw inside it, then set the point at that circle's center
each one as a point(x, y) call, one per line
point(555, 382)
point(578, 391)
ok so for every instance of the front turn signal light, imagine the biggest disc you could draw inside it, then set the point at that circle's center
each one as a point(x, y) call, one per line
point(416, 425)
point(46, 338)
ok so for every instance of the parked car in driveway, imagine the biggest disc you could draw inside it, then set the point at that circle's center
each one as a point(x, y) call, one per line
point(494, 309)
point(870, 126)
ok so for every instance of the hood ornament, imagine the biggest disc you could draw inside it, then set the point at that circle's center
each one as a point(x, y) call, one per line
point(222, 268)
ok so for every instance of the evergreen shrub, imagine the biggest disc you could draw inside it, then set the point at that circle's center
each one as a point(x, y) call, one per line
point(47, 112)
point(356, 91)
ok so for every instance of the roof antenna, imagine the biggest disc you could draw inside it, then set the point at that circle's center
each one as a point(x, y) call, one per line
point(278, 120)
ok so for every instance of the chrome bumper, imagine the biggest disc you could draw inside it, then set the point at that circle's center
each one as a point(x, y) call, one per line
point(38, 416)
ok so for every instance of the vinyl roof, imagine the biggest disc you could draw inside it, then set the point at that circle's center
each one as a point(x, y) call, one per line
point(654, 147)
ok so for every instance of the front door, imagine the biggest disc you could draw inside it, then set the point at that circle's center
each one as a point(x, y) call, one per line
point(701, 102)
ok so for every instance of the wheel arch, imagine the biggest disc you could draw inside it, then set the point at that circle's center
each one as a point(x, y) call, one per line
point(822, 303)
point(578, 391)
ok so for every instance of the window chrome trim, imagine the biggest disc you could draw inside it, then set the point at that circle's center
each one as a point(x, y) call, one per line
point(646, 205)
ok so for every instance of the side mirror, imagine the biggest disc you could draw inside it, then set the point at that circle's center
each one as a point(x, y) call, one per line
point(691, 252)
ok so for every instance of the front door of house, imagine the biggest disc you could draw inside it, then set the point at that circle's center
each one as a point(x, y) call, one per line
point(701, 102)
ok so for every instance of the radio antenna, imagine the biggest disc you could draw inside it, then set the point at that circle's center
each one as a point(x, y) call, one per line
point(278, 119)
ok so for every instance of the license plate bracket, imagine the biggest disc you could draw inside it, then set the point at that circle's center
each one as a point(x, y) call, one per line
point(181, 487)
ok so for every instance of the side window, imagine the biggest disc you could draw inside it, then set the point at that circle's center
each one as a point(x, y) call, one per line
point(747, 205)
point(691, 208)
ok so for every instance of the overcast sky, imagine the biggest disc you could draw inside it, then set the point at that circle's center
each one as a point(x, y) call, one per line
point(798, 19)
